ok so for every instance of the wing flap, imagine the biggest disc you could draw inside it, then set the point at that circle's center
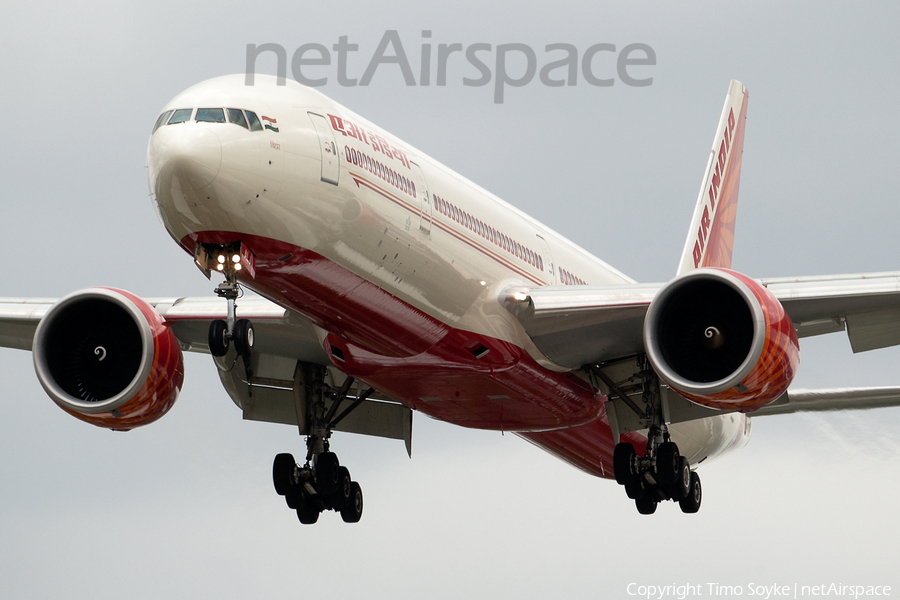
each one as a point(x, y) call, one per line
point(867, 305)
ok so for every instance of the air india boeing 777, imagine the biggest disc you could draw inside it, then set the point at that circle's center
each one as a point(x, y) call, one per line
point(386, 284)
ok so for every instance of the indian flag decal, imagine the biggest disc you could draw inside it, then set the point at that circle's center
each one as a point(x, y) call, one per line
point(272, 121)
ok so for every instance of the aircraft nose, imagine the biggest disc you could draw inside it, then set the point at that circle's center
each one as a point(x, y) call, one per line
point(187, 155)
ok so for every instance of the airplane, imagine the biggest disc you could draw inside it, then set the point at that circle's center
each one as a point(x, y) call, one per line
point(386, 284)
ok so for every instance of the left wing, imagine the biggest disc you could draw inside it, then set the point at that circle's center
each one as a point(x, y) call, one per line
point(578, 325)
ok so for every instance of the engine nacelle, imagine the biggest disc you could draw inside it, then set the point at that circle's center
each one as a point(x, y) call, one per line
point(107, 357)
point(721, 340)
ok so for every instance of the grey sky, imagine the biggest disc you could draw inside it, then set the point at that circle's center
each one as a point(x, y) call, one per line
point(185, 507)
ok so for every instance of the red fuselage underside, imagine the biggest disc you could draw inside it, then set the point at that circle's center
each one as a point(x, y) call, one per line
point(428, 365)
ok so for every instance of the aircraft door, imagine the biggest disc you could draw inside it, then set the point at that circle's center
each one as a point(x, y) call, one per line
point(331, 166)
point(425, 204)
point(547, 259)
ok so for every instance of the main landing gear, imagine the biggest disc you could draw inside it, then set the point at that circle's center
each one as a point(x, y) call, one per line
point(318, 486)
point(321, 483)
point(661, 473)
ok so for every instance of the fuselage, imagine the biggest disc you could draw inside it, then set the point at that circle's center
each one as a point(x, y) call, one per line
point(397, 260)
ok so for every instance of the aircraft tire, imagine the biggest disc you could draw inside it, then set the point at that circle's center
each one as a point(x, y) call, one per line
point(218, 343)
point(623, 454)
point(282, 470)
point(244, 336)
point(691, 503)
point(344, 492)
point(352, 512)
point(646, 505)
point(634, 489)
point(327, 473)
point(682, 486)
point(307, 512)
point(668, 461)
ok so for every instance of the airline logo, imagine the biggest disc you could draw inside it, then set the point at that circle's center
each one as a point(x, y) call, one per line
point(368, 137)
point(711, 241)
point(712, 189)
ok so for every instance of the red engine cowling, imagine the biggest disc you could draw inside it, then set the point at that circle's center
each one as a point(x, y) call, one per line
point(721, 340)
point(107, 357)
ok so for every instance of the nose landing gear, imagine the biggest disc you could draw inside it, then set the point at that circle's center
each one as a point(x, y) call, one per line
point(229, 260)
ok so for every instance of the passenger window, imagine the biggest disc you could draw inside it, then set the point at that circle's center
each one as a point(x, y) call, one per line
point(181, 115)
point(162, 119)
point(254, 121)
point(237, 117)
point(211, 115)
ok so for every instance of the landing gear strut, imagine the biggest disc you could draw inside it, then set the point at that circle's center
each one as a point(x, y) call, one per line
point(661, 473)
point(321, 483)
point(227, 260)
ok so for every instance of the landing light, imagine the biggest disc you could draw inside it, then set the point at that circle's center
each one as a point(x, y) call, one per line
point(237, 267)
point(221, 259)
point(236, 258)
point(220, 267)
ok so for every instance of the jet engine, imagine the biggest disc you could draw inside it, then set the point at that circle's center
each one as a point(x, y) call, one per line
point(721, 339)
point(107, 357)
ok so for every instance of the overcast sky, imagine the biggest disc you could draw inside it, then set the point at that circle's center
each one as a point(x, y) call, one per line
point(186, 508)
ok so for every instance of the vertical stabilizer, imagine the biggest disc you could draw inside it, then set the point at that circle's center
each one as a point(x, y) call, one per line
point(710, 240)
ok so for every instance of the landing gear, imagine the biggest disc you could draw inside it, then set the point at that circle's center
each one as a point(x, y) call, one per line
point(661, 473)
point(227, 259)
point(321, 483)
point(306, 490)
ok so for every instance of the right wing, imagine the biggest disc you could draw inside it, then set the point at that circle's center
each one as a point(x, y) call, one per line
point(281, 332)
point(282, 340)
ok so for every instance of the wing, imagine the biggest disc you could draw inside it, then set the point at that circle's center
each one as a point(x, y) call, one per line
point(578, 325)
point(283, 339)
point(282, 332)
point(575, 326)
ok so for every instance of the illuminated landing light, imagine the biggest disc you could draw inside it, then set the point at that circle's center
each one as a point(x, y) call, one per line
point(483, 282)
point(520, 296)
point(221, 259)
point(237, 267)
point(236, 258)
point(220, 267)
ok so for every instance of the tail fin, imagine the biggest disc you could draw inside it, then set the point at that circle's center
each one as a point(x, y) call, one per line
point(711, 237)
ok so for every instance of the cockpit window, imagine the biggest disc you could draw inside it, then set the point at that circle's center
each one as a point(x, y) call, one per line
point(162, 119)
point(255, 125)
point(211, 115)
point(237, 117)
point(181, 115)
